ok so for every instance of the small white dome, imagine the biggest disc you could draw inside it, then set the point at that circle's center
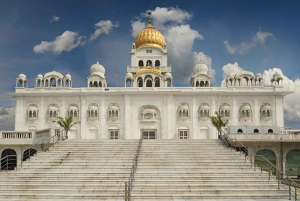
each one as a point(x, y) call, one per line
point(276, 74)
point(40, 76)
point(22, 76)
point(97, 69)
point(225, 107)
point(68, 76)
point(266, 107)
point(200, 68)
point(258, 75)
point(129, 75)
point(168, 75)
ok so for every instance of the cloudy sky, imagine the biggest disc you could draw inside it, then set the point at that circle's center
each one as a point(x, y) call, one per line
point(261, 36)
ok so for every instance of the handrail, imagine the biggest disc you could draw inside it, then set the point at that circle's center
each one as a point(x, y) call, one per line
point(128, 184)
point(226, 139)
point(8, 160)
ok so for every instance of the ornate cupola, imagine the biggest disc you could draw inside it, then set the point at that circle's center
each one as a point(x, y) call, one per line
point(200, 78)
point(149, 59)
point(97, 78)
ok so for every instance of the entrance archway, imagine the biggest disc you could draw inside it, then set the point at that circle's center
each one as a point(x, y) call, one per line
point(269, 155)
point(292, 163)
point(10, 162)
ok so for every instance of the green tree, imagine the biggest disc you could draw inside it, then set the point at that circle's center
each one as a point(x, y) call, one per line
point(218, 123)
point(66, 123)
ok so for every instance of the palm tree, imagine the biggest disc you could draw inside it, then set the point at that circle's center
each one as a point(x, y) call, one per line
point(66, 123)
point(218, 123)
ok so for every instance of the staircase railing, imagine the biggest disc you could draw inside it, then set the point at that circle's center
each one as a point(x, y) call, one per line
point(265, 164)
point(128, 184)
point(10, 162)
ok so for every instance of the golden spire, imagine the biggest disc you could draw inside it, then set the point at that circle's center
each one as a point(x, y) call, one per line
point(149, 19)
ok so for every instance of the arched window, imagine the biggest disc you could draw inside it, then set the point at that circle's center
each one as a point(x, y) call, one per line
point(201, 84)
point(270, 131)
point(95, 84)
point(169, 83)
point(91, 84)
point(27, 153)
point(128, 83)
point(149, 63)
point(206, 84)
point(197, 83)
point(10, 162)
point(141, 63)
point(149, 83)
point(140, 82)
point(53, 82)
point(157, 82)
point(157, 63)
point(256, 131)
point(100, 84)
point(240, 131)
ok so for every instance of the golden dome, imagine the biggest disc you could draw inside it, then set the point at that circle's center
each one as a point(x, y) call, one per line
point(149, 36)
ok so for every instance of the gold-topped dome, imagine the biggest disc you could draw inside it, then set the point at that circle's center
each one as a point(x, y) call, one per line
point(149, 36)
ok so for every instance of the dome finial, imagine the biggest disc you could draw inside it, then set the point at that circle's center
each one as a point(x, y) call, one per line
point(149, 18)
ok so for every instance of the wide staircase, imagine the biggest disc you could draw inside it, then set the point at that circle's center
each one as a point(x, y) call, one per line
point(198, 170)
point(167, 170)
point(72, 170)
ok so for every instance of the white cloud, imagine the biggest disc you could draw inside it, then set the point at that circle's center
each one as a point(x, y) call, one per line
point(65, 42)
point(103, 27)
point(54, 19)
point(163, 15)
point(259, 38)
point(137, 26)
point(179, 36)
point(7, 118)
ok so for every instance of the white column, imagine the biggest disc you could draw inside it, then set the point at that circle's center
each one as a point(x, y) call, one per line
point(83, 118)
point(194, 130)
point(214, 132)
point(127, 118)
point(103, 131)
point(234, 112)
point(42, 113)
point(256, 115)
point(171, 121)
point(20, 117)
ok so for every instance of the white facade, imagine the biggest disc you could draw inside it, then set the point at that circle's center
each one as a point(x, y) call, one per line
point(148, 102)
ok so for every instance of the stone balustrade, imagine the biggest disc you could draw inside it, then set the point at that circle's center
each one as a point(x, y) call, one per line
point(16, 134)
point(265, 137)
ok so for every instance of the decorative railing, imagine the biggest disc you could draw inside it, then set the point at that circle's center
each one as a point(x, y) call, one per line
point(15, 134)
point(265, 164)
point(128, 184)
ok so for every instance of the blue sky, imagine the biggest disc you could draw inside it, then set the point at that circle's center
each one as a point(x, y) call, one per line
point(261, 35)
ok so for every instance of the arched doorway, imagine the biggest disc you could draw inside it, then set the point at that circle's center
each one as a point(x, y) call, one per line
point(292, 163)
point(269, 155)
point(27, 153)
point(10, 162)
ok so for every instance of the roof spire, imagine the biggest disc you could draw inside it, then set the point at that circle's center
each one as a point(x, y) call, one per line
point(149, 19)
